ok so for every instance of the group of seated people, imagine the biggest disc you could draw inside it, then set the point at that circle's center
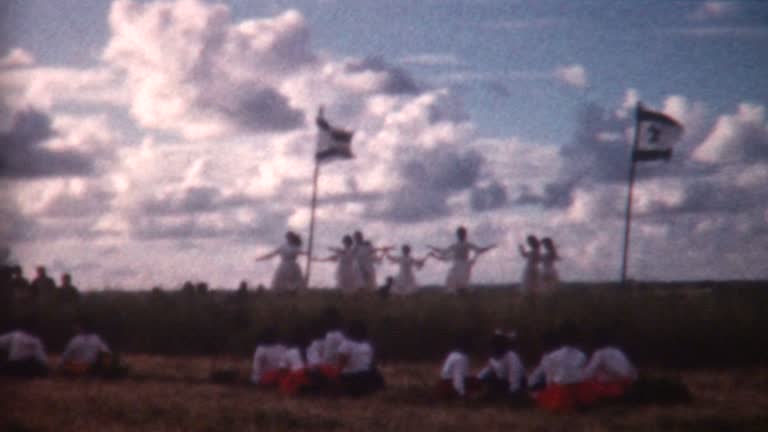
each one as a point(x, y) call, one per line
point(339, 360)
point(564, 379)
point(23, 354)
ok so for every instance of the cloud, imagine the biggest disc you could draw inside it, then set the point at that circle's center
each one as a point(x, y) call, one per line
point(16, 58)
point(431, 59)
point(23, 153)
point(574, 75)
point(489, 197)
point(712, 10)
point(191, 70)
point(739, 137)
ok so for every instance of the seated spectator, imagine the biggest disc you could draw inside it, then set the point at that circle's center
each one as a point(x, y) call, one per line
point(504, 376)
point(555, 381)
point(22, 355)
point(86, 353)
point(266, 370)
point(359, 375)
point(608, 375)
point(455, 381)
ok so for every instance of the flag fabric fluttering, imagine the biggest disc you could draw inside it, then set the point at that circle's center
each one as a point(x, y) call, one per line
point(657, 132)
point(332, 143)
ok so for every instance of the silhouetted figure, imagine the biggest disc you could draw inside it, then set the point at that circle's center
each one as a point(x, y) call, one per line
point(348, 277)
point(201, 288)
point(188, 288)
point(532, 255)
point(549, 278)
point(67, 291)
point(365, 254)
point(42, 284)
point(405, 281)
point(288, 277)
point(386, 290)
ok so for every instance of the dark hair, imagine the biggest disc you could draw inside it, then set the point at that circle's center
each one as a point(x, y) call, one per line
point(347, 240)
point(461, 233)
point(356, 330)
point(532, 241)
point(499, 344)
point(293, 238)
point(406, 249)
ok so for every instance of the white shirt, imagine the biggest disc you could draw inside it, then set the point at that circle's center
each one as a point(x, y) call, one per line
point(331, 344)
point(359, 356)
point(456, 369)
point(84, 348)
point(610, 364)
point(509, 368)
point(315, 353)
point(266, 358)
point(562, 366)
point(22, 346)
point(292, 360)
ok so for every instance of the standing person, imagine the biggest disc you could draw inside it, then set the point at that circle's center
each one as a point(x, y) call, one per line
point(22, 354)
point(549, 278)
point(85, 353)
point(288, 277)
point(530, 280)
point(367, 259)
point(405, 282)
point(347, 272)
point(459, 253)
point(504, 376)
point(42, 284)
point(67, 291)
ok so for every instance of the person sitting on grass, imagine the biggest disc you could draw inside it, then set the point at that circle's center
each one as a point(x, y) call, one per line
point(22, 355)
point(359, 375)
point(555, 383)
point(455, 381)
point(608, 375)
point(296, 378)
point(504, 376)
point(266, 370)
point(86, 353)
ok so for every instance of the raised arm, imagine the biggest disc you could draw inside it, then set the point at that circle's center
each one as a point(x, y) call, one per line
point(523, 252)
point(268, 255)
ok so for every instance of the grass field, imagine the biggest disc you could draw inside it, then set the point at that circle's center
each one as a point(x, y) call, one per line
point(173, 394)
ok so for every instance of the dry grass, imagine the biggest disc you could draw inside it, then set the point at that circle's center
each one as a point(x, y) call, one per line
point(173, 394)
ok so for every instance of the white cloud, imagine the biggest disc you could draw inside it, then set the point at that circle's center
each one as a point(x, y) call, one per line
point(574, 75)
point(17, 57)
point(738, 137)
point(712, 10)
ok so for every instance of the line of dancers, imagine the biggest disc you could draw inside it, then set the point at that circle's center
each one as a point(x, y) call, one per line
point(357, 258)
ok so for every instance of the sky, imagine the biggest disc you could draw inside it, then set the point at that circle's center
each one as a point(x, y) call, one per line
point(146, 143)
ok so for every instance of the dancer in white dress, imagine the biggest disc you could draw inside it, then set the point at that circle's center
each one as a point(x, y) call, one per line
point(405, 282)
point(347, 271)
point(459, 253)
point(367, 258)
point(288, 277)
point(549, 278)
point(530, 280)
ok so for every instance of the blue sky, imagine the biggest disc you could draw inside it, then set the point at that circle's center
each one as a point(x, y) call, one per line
point(524, 93)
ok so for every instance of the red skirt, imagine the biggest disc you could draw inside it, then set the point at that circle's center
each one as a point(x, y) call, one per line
point(272, 378)
point(293, 382)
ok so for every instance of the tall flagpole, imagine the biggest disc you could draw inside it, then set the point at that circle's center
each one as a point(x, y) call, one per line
point(628, 214)
point(312, 224)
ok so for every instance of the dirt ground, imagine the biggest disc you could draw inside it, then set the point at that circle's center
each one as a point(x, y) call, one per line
point(174, 394)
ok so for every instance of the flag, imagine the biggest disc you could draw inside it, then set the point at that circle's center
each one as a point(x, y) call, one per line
point(332, 143)
point(656, 133)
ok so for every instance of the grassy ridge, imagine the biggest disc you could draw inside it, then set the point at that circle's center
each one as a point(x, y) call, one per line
point(709, 324)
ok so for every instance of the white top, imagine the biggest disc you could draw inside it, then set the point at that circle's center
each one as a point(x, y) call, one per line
point(84, 348)
point(509, 368)
point(456, 369)
point(359, 356)
point(292, 359)
point(610, 364)
point(22, 346)
point(331, 344)
point(266, 358)
point(562, 366)
point(315, 353)
point(366, 256)
point(288, 252)
point(459, 251)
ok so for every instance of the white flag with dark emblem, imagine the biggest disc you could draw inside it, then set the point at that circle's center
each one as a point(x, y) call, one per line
point(332, 143)
point(657, 133)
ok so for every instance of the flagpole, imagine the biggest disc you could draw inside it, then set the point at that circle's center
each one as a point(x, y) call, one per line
point(310, 241)
point(628, 213)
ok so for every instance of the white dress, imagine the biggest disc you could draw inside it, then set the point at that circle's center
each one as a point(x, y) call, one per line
point(347, 272)
point(530, 280)
point(366, 260)
point(549, 277)
point(461, 270)
point(288, 275)
point(405, 281)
